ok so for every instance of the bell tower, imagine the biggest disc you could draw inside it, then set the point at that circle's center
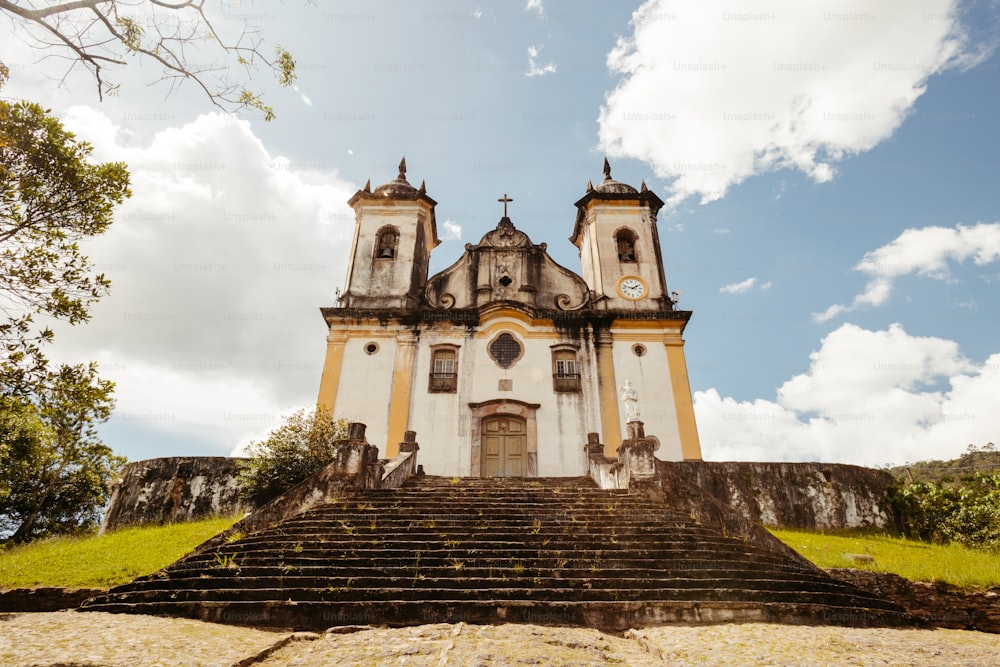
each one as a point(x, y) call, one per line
point(619, 246)
point(394, 233)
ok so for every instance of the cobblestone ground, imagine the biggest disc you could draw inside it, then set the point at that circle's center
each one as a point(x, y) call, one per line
point(72, 639)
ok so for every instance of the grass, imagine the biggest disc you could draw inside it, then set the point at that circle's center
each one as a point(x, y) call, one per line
point(106, 560)
point(913, 560)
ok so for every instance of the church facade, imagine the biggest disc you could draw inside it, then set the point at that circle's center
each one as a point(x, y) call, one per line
point(504, 361)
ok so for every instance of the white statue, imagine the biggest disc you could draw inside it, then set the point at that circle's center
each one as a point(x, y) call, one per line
point(631, 401)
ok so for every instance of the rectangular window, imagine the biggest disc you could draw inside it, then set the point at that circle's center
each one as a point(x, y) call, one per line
point(566, 368)
point(444, 376)
point(566, 375)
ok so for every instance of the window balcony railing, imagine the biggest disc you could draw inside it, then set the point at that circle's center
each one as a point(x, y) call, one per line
point(566, 382)
point(443, 382)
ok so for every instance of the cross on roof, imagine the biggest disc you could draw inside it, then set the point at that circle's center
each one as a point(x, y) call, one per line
point(505, 199)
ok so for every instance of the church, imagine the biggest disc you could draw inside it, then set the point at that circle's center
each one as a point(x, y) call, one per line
point(505, 361)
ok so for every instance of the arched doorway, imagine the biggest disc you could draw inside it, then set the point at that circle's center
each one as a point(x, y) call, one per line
point(505, 446)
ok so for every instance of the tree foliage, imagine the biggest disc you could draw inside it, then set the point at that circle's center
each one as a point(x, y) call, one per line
point(96, 34)
point(54, 470)
point(984, 459)
point(51, 198)
point(966, 511)
point(301, 446)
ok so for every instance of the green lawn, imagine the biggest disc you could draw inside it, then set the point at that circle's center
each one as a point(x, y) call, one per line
point(108, 560)
point(917, 561)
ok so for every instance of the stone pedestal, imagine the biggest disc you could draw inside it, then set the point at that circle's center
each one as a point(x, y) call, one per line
point(636, 452)
point(409, 443)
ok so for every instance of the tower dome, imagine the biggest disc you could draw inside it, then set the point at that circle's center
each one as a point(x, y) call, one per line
point(399, 186)
point(611, 186)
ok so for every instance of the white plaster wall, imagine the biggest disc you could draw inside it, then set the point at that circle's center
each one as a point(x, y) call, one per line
point(650, 375)
point(609, 220)
point(443, 421)
point(440, 419)
point(366, 385)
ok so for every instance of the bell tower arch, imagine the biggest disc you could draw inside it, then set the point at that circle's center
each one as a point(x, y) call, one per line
point(619, 245)
point(394, 233)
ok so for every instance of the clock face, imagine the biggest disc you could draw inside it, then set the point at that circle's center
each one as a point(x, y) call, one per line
point(632, 288)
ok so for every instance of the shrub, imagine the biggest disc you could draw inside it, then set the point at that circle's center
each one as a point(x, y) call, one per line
point(301, 446)
point(966, 512)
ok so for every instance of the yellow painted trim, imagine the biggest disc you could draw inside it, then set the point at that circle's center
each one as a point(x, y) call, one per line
point(683, 404)
point(356, 334)
point(330, 378)
point(607, 389)
point(647, 325)
point(502, 311)
point(402, 385)
point(639, 337)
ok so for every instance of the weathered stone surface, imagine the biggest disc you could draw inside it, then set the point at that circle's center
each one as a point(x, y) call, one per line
point(672, 488)
point(938, 604)
point(318, 488)
point(821, 496)
point(179, 488)
point(130, 640)
point(355, 466)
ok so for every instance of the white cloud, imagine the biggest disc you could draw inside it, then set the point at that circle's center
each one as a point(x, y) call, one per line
point(219, 263)
point(739, 288)
point(716, 92)
point(534, 69)
point(924, 252)
point(869, 397)
point(452, 230)
point(536, 6)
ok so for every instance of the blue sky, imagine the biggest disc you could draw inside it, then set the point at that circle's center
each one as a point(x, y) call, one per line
point(832, 175)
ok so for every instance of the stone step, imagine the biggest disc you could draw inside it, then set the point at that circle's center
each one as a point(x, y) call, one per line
point(486, 561)
point(516, 559)
point(606, 616)
point(438, 540)
point(494, 550)
point(497, 571)
point(767, 592)
point(462, 580)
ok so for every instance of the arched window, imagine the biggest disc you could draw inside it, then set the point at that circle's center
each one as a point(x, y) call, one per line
point(625, 243)
point(444, 370)
point(385, 245)
point(565, 369)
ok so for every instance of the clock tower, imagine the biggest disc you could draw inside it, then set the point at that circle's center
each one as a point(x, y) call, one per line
point(619, 245)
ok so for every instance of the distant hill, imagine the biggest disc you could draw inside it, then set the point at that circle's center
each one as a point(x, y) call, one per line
point(985, 460)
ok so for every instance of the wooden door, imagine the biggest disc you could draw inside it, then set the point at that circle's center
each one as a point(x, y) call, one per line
point(505, 447)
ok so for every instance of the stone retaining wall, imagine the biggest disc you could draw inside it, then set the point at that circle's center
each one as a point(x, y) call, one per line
point(179, 488)
point(818, 496)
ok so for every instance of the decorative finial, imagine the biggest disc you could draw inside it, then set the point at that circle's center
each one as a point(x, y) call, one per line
point(590, 186)
point(643, 188)
point(423, 187)
point(505, 199)
point(607, 169)
point(368, 185)
point(402, 169)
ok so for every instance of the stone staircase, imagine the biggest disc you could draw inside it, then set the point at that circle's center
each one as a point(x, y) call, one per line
point(547, 551)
